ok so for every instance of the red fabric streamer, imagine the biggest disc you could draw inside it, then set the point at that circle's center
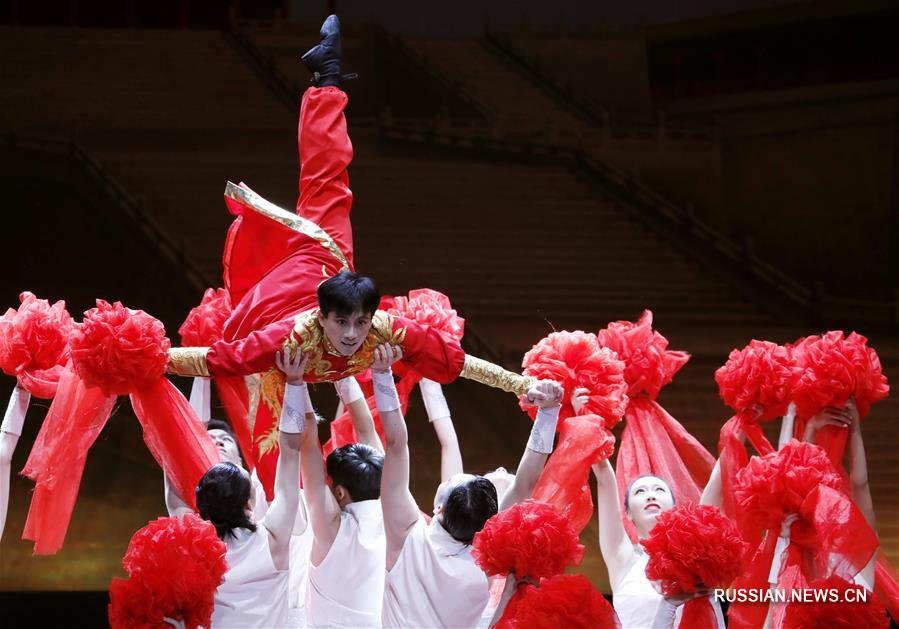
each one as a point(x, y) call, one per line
point(57, 459)
point(757, 382)
point(692, 547)
point(34, 343)
point(583, 441)
point(174, 567)
point(837, 615)
point(831, 537)
point(204, 325)
point(653, 442)
point(532, 539)
point(575, 360)
point(565, 600)
point(114, 351)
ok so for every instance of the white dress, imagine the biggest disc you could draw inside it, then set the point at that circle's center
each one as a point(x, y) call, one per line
point(435, 582)
point(347, 588)
point(254, 593)
point(636, 601)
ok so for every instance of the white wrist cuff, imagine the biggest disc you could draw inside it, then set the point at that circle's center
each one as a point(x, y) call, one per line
point(435, 402)
point(293, 411)
point(348, 390)
point(201, 397)
point(14, 418)
point(543, 432)
point(665, 615)
point(386, 398)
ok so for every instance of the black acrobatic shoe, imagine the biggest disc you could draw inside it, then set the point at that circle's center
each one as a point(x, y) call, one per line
point(323, 61)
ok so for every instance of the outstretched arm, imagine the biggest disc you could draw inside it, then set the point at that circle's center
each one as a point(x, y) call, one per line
point(10, 431)
point(400, 511)
point(200, 393)
point(354, 402)
point(547, 395)
point(281, 515)
point(614, 544)
point(321, 506)
point(442, 421)
point(713, 494)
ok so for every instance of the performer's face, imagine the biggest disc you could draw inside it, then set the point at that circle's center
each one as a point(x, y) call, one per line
point(226, 447)
point(648, 498)
point(346, 332)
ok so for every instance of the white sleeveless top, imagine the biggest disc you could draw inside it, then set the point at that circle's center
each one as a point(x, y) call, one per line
point(636, 601)
point(254, 593)
point(435, 582)
point(347, 588)
point(300, 550)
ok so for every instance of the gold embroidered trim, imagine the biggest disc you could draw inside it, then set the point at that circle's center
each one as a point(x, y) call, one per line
point(495, 376)
point(188, 361)
point(290, 219)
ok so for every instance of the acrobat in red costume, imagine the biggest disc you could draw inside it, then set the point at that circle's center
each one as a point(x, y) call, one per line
point(274, 262)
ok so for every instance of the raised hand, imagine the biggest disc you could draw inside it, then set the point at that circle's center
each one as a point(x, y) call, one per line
point(293, 368)
point(385, 356)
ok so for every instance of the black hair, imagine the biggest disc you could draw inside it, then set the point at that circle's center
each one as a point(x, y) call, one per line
point(222, 496)
point(221, 424)
point(468, 507)
point(630, 485)
point(357, 468)
point(347, 293)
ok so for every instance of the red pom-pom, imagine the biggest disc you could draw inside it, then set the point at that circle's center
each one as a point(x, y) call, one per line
point(649, 364)
point(693, 546)
point(575, 360)
point(833, 369)
point(118, 349)
point(34, 339)
point(837, 614)
point(776, 484)
point(133, 604)
point(430, 308)
point(205, 323)
point(531, 539)
point(762, 374)
point(566, 600)
point(179, 563)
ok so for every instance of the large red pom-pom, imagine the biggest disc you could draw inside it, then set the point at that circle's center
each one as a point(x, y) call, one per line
point(776, 484)
point(575, 360)
point(693, 546)
point(833, 370)
point(649, 364)
point(35, 337)
point(837, 614)
point(180, 562)
point(761, 374)
point(118, 349)
point(428, 307)
point(205, 323)
point(566, 600)
point(531, 539)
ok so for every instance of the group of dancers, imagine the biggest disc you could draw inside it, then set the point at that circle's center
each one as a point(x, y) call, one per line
point(268, 527)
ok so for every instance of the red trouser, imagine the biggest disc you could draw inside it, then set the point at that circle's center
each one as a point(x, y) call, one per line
point(271, 271)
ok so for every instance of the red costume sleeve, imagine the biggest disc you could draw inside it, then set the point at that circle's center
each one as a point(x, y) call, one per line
point(430, 352)
point(253, 354)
